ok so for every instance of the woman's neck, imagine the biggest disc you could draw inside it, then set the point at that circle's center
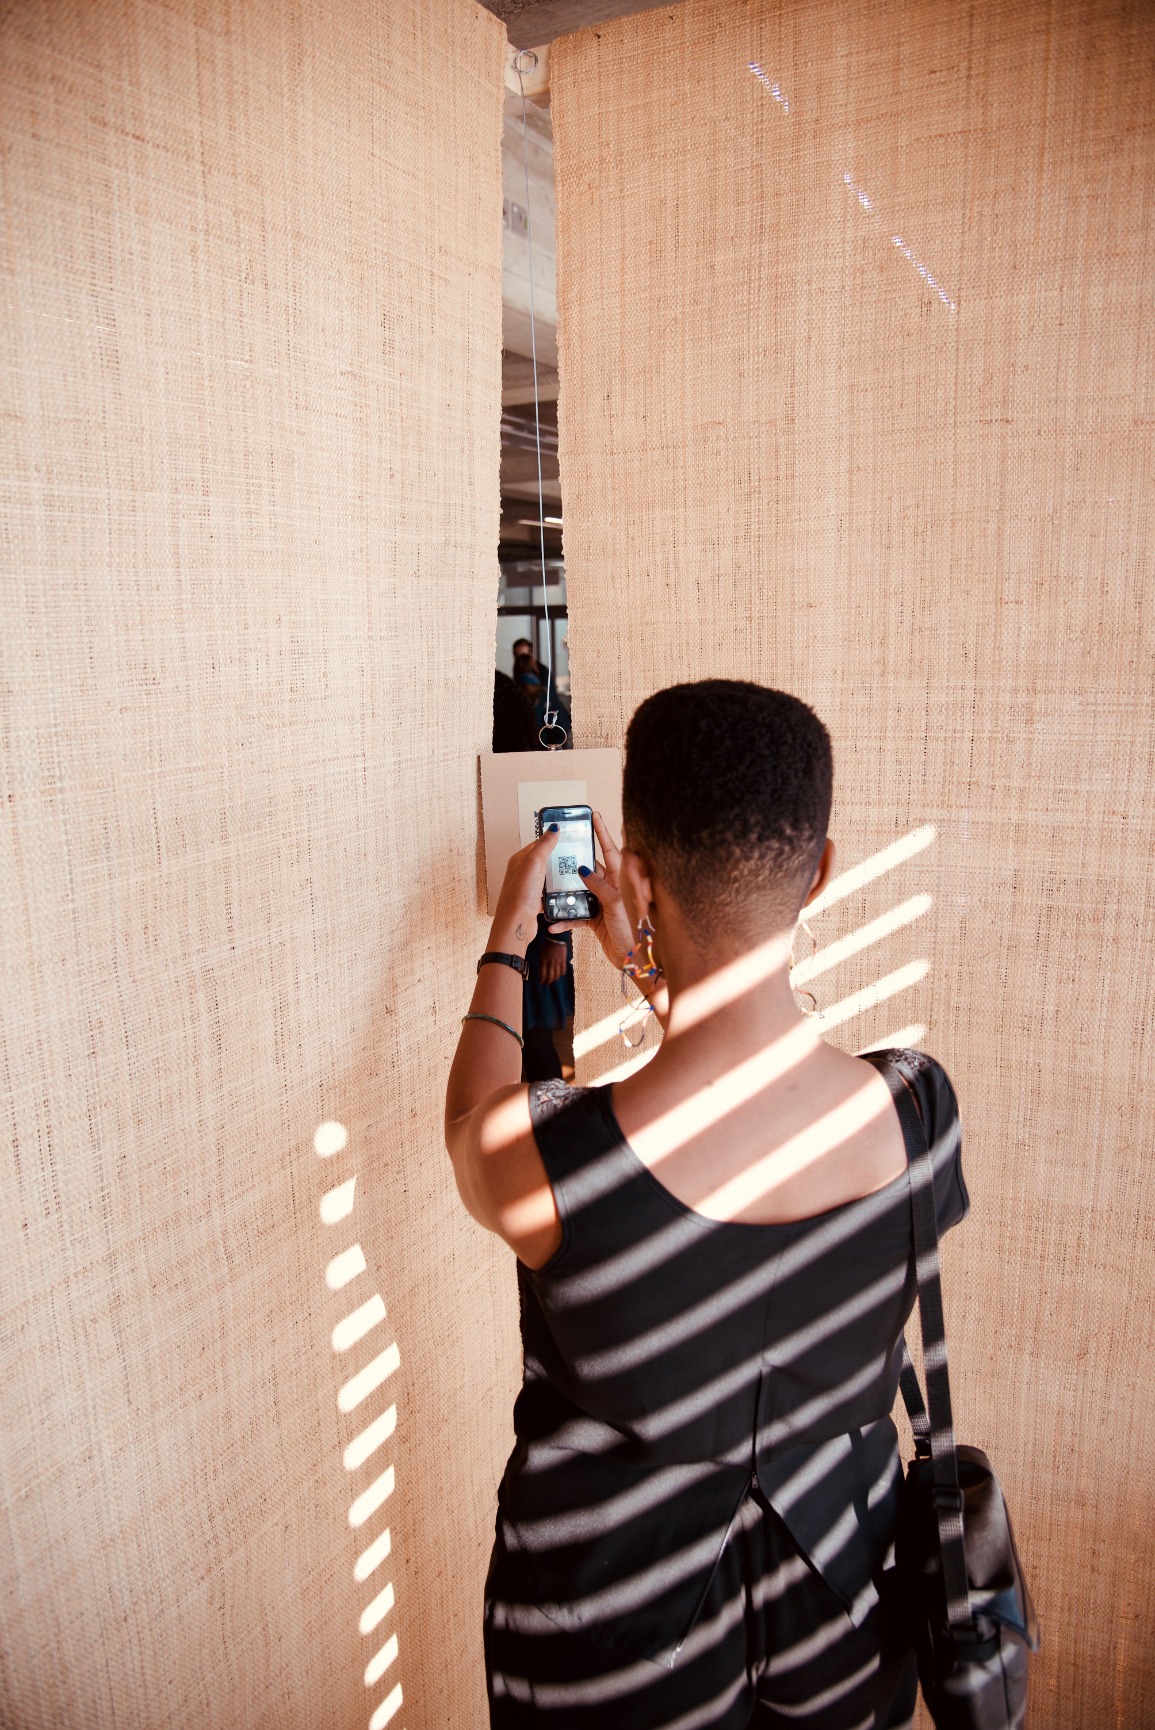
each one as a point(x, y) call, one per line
point(733, 1002)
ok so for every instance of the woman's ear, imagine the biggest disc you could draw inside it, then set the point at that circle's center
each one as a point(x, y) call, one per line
point(822, 873)
point(636, 886)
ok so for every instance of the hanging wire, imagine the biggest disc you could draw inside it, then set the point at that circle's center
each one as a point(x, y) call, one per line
point(526, 61)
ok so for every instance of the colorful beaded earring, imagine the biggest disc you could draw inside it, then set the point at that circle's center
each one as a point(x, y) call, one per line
point(640, 962)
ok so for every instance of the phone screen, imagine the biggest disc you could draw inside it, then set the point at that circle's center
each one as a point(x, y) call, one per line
point(575, 846)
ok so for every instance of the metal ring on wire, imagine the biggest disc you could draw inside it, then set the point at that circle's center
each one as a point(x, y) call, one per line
point(552, 726)
point(529, 57)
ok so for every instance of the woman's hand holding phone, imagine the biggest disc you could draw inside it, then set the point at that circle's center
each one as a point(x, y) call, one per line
point(612, 925)
point(519, 903)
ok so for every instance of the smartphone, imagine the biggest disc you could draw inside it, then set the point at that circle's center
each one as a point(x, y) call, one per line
point(566, 896)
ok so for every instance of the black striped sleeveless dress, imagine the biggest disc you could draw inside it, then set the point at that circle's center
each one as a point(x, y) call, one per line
point(696, 1518)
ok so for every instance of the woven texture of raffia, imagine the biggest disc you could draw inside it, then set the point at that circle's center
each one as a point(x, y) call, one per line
point(251, 379)
point(858, 398)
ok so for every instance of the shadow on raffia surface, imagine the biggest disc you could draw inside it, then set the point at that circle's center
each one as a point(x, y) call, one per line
point(596, 1044)
point(421, 1307)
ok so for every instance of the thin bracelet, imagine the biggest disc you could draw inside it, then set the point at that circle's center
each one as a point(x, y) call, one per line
point(475, 1016)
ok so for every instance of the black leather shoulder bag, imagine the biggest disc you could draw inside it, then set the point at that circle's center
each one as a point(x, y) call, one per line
point(963, 1593)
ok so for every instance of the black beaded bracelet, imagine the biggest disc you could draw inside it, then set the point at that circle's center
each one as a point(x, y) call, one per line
point(518, 962)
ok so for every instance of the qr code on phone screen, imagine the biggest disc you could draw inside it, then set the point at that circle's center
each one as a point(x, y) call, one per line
point(566, 864)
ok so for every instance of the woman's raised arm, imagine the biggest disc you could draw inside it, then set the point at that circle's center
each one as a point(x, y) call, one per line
point(488, 1132)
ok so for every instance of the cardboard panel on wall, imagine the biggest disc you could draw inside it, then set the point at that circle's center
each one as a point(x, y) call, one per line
point(856, 400)
point(517, 784)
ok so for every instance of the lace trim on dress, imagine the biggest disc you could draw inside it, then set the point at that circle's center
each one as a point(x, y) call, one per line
point(547, 1098)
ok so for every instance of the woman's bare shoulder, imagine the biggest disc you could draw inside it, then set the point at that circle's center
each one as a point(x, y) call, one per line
point(813, 1139)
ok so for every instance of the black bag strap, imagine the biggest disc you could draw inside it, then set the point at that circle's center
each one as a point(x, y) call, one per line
point(933, 1434)
point(915, 1409)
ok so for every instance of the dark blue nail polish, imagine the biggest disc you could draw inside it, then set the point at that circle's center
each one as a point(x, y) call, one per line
point(553, 828)
point(583, 871)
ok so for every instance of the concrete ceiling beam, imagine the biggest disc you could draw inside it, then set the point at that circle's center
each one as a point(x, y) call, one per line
point(533, 23)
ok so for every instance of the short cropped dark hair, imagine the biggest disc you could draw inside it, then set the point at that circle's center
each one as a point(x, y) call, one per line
point(727, 788)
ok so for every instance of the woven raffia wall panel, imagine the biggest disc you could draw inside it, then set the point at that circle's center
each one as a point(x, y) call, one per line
point(252, 336)
point(857, 380)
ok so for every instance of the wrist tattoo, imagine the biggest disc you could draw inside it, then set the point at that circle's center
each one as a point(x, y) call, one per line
point(520, 932)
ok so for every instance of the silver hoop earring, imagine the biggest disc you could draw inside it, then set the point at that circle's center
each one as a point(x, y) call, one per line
point(635, 1017)
point(800, 991)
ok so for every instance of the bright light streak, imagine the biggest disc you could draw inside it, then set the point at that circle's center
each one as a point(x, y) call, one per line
point(377, 1666)
point(371, 1559)
point(630, 1067)
point(366, 1381)
point(889, 986)
point(591, 1037)
point(874, 932)
point(370, 1439)
point(901, 1040)
point(626, 1595)
point(372, 1498)
point(618, 1271)
point(360, 1322)
point(642, 1347)
point(846, 883)
point(817, 1407)
point(867, 204)
point(337, 1204)
point(876, 866)
point(345, 1267)
point(536, 1211)
point(730, 1200)
point(656, 1140)
point(732, 981)
point(506, 1122)
point(863, 198)
point(609, 1513)
point(775, 90)
point(388, 1708)
point(330, 1139)
point(375, 1613)
point(923, 272)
